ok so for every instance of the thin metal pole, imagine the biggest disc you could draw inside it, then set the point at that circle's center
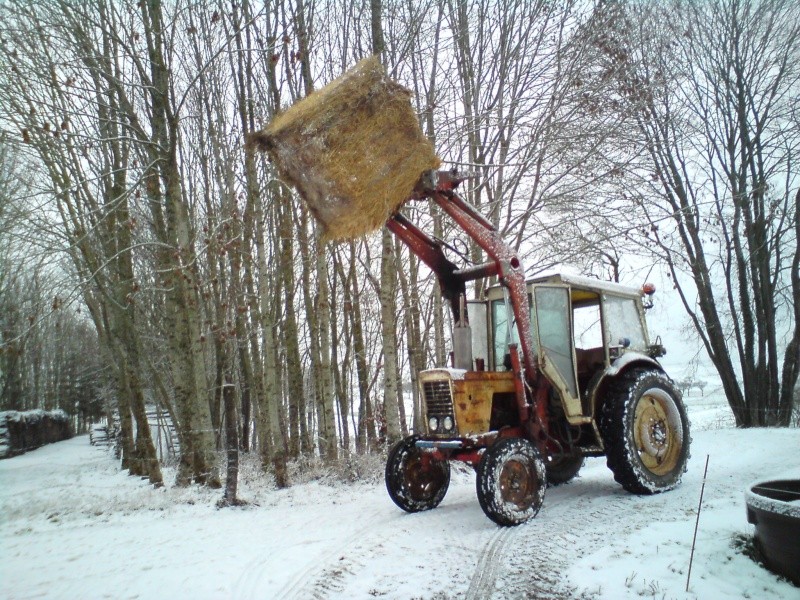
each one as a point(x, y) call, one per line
point(697, 522)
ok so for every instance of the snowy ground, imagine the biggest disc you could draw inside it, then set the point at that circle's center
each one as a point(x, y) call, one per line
point(73, 526)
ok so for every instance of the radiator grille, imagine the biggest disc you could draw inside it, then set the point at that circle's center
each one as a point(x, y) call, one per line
point(438, 400)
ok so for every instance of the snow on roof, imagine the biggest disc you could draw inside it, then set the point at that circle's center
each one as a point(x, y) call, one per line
point(455, 374)
point(588, 282)
point(581, 282)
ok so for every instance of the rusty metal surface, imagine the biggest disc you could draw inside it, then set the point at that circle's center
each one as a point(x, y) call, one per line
point(472, 399)
point(439, 187)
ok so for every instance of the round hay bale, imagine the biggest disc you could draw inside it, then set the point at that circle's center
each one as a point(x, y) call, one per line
point(353, 150)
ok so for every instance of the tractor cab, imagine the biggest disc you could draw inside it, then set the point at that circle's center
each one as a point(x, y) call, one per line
point(582, 328)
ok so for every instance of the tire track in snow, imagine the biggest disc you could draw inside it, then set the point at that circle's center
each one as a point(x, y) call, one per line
point(329, 576)
point(390, 533)
point(251, 582)
point(570, 528)
point(489, 562)
point(386, 536)
point(533, 557)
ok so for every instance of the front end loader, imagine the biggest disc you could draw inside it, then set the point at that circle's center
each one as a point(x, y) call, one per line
point(543, 374)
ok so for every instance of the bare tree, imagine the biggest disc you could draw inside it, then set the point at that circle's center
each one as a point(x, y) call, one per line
point(91, 197)
point(712, 87)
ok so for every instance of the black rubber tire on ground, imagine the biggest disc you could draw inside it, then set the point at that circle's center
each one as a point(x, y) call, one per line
point(562, 469)
point(646, 432)
point(415, 480)
point(511, 481)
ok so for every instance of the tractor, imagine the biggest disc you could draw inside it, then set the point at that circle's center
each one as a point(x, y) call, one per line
point(543, 373)
point(524, 399)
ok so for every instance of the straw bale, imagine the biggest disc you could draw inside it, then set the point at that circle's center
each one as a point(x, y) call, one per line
point(353, 149)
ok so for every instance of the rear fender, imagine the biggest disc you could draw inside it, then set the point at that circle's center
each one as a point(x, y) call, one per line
point(596, 391)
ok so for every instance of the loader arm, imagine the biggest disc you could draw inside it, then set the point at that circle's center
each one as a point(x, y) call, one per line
point(439, 186)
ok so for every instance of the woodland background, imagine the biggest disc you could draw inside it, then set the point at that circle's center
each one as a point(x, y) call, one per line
point(148, 257)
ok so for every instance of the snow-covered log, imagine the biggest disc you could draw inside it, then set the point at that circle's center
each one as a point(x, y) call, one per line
point(23, 431)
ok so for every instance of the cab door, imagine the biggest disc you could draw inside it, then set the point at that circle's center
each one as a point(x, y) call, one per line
point(551, 314)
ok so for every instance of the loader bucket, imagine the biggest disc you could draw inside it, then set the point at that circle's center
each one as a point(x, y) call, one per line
point(353, 150)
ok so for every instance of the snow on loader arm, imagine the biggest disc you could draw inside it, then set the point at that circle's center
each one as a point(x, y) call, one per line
point(353, 150)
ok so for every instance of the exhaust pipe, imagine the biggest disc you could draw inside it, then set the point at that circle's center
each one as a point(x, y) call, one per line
point(462, 338)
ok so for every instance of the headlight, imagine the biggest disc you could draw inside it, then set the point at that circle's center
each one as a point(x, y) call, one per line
point(433, 423)
point(447, 423)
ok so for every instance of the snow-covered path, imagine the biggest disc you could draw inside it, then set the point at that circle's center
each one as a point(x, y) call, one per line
point(73, 526)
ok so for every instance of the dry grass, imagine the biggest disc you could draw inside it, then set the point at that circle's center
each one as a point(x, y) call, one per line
point(354, 150)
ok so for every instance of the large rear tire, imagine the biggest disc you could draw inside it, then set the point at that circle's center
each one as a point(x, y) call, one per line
point(511, 481)
point(646, 432)
point(415, 479)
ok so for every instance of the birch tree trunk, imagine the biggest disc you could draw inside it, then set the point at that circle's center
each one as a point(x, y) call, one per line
point(390, 425)
point(170, 212)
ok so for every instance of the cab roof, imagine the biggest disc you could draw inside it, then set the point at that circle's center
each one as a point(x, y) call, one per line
point(588, 283)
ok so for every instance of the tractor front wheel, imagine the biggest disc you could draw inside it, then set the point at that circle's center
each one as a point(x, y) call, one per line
point(415, 479)
point(511, 481)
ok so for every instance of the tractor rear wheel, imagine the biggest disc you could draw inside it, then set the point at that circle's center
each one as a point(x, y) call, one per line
point(511, 481)
point(563, 468)
point(646, 432)
point(415, 479)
